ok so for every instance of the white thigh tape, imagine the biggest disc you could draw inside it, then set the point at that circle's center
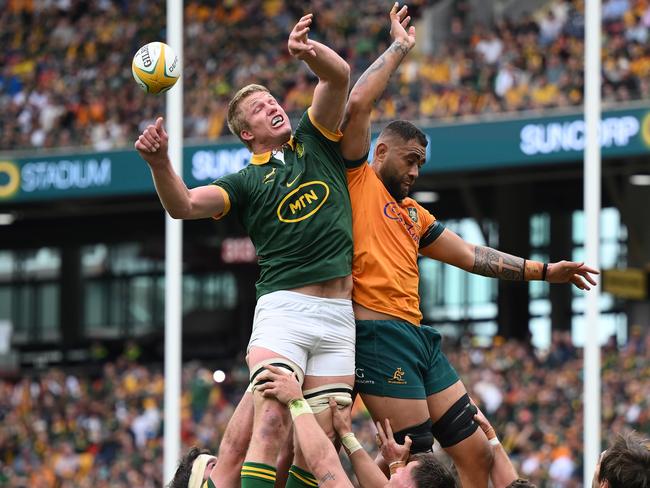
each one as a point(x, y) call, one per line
point(318, 398)
point(286, 365)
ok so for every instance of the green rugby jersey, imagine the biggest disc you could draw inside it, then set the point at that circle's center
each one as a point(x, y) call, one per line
point(296, 209)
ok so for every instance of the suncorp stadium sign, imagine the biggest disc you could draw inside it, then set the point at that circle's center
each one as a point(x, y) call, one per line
point(210, 164)
point(480, 145)
point(108, 174)
point(557, 137)
point(65, 174)
point(46, 178)
point(523, 141)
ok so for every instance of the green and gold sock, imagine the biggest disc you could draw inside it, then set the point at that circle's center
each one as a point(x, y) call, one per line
point(257, 475)
point(299, 478)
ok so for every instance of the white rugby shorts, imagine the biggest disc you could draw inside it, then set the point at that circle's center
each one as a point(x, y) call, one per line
point(318, 334)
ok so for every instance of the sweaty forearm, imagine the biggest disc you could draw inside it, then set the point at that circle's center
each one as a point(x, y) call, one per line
point(372, 83)
point(496, 264)
point(327, 65)
point(172, 192)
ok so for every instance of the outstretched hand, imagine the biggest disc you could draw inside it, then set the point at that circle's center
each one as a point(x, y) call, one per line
point(152, 144)
point(391, 451)
point(571, 272)
point(399, 29)
point(299, 44)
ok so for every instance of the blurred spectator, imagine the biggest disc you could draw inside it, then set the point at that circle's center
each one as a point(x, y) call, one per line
point(65, 77)
point(104, 429)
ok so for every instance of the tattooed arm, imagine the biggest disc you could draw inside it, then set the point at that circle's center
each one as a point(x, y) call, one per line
point(372, 83)
point(451, 249)
point(320, 454)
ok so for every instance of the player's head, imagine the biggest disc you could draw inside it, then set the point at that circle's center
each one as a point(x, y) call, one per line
point(399, 153)
point(256, 117)
point(625, 464)
point(423, 471)
point(195, 468)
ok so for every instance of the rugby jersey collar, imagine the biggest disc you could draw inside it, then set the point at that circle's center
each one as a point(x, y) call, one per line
point(265, 157)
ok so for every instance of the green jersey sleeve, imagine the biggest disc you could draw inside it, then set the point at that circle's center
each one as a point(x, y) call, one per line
point(311, 128)
point(236, 193)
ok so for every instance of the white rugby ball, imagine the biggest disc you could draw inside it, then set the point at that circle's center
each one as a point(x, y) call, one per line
point(155, 67)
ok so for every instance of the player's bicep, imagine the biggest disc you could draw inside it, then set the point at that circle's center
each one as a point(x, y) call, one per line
point(450, 248)
point(209, 201)
point(328, 104)
point(355, 143)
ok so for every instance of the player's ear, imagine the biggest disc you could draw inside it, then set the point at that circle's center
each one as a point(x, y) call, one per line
point(380, 151)
point(246, 135)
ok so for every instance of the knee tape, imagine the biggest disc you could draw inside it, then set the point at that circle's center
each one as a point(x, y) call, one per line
point(283, 363)
point(318, 398)
point(420, 435)
point(457, 424)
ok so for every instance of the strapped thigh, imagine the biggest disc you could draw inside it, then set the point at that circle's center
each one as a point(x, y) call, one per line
point(420, 435)
point(284, 363)
point(318, 398)
point(457, 424)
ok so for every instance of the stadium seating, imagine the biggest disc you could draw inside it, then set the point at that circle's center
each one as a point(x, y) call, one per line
point(105, 429)
point(65, 75)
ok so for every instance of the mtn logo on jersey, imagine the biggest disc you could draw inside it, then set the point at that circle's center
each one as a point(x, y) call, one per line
point(303, 202)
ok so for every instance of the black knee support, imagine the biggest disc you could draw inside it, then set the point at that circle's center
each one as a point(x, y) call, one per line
point(456, 424)
point(420, 435)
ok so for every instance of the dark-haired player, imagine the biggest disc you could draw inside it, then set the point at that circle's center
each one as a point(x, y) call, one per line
point(402, 374)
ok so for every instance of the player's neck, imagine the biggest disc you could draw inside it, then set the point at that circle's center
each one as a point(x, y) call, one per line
point(269, 146)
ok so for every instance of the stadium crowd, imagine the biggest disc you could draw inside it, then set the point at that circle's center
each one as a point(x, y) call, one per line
point(65, 75)
point(61, 429)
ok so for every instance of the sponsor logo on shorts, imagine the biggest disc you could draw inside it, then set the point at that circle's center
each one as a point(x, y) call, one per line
point(360, 377)
point(398, 377)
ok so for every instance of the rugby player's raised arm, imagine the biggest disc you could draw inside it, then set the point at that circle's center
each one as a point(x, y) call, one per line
point(372, 83)
point(450, 248)
point(331, 69)
point(178, 201)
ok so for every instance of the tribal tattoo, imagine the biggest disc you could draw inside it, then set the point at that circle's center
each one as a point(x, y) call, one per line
point(396, 47)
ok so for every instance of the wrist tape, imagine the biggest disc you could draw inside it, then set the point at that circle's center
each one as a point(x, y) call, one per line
point(351, 443)
point(298, 407)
